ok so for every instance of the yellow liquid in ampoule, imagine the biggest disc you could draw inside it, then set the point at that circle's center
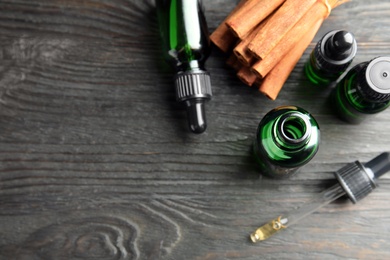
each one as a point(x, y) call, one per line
point(267, 230)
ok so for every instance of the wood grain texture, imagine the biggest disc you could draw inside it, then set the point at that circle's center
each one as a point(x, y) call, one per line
point(96, 161)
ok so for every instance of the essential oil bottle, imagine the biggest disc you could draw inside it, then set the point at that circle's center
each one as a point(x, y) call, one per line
point(186, 45)
point(286, 139)
point(364, 91)
point(331, 57)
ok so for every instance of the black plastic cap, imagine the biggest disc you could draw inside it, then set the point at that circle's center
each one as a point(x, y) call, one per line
point(358, 180)
point(379, 165)
point(340, 45)
point(335, 51)
point(375, 80)
point(194, 89)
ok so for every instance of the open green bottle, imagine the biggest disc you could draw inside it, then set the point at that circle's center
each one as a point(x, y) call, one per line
point(287, 138)
point(364, 91)
point(186, 45)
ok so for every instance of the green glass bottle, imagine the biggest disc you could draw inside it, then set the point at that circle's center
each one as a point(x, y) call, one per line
point(287, 138)
point(186, 45)
point(331, 57)
point(364, 91)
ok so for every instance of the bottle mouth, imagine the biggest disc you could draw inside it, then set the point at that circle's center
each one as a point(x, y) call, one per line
point(294, 128)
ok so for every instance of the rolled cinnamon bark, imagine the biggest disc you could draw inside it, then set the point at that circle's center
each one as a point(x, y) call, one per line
point(241, 50)
point(246, 75)
point(275, 79)
point(223, 37)
point(233, 62)
point(251, 14)
point(282, 21)
point(290, 39)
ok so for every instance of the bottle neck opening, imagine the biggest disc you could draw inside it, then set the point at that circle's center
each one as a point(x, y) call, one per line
point(293, 130)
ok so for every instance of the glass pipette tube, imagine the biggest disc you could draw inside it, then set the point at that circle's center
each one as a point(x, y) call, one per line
point(355, 180)
point(294, 216)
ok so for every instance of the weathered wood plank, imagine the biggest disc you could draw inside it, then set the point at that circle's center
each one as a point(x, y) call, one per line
point(96, 159)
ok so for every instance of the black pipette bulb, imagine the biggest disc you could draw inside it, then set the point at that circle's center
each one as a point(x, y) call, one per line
point(379, 165)
point(196, 115)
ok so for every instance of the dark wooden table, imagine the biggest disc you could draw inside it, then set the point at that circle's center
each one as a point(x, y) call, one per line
point(96, 161)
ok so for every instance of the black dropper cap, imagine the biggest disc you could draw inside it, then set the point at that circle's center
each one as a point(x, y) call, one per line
point(340, 45)
point(336, 50)
point(374, 81)
point(358, 180)
point(194, 89)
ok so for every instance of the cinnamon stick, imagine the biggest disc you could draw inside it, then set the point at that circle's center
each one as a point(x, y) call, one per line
point(284, 19)
point(223, 37)
point(251, 14)
point(233, 62)
point(241, 50)
point(290, 39)
point(273, 82)
point(246, 75)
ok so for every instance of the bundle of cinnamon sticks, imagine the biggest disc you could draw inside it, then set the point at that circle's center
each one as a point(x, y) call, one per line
point(266, 38)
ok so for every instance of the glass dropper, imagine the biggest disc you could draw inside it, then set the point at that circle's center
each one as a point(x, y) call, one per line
point(354, 179)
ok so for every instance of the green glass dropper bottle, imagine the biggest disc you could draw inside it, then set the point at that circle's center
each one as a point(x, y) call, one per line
point(365, 90)
point(287, 138)
point(186, 46)
point(331, 57)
